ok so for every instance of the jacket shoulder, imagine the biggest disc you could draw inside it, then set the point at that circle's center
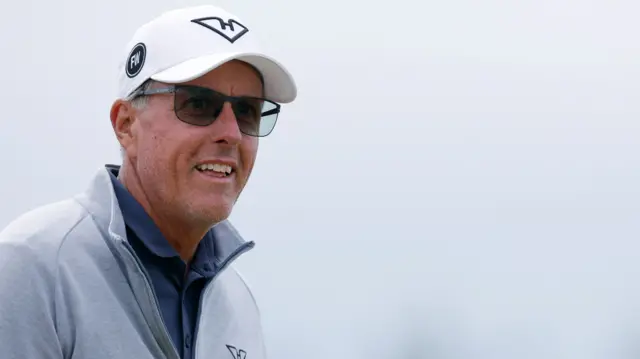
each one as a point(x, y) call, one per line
point(29, 249)
point(42, 230)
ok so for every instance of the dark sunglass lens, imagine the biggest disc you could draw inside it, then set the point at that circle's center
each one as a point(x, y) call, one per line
point(247, 112)
point(200, 106)
point(197, 106)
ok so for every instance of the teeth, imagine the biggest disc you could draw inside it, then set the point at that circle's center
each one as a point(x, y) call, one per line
point(216, 167)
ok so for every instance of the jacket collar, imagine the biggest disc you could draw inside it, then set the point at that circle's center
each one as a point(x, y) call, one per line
point(101, 202)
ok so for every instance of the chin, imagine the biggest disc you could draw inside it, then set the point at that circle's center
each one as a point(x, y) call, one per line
point(210, 207)
point(213, 213)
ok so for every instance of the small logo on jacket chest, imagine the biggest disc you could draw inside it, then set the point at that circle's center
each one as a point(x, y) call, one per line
point(237, 353)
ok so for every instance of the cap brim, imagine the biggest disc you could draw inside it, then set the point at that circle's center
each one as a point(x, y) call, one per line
point(279, 84)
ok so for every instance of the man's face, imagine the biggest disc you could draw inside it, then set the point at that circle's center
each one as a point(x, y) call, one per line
point(167, 154)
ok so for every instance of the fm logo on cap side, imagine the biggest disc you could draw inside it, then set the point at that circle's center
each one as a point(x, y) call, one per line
point(230, 30)
point(136, 59)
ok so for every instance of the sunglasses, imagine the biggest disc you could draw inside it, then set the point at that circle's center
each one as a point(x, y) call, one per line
point(201, 106)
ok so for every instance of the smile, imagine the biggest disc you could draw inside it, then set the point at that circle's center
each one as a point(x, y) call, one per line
point(215, 168)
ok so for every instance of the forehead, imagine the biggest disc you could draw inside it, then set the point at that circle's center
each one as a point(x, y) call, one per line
point(235, 78)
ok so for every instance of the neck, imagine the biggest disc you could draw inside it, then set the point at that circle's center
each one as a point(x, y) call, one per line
point(182, 234)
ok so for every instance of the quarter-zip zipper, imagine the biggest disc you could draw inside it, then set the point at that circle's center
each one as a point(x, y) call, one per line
point(240, 250)
point(158, 327)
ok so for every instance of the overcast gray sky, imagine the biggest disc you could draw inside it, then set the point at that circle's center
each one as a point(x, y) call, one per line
point(461, 172)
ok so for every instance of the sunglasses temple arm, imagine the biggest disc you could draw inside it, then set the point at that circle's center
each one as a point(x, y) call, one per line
point(271, 112)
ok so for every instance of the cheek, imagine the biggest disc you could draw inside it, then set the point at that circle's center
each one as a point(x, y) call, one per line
point(172, 154)
point(152, 156)
point(159, 153)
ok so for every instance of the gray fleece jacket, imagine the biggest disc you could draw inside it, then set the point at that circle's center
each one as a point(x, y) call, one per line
point(71, 286)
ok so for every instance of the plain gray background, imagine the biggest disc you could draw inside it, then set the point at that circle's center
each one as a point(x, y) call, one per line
point(457, 179)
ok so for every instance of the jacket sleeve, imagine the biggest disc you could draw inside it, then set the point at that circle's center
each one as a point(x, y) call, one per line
point(27, 307)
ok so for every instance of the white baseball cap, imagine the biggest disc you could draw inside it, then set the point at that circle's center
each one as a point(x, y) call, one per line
point(184, 44)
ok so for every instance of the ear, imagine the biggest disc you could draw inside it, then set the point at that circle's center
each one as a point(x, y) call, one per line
point(122, 119)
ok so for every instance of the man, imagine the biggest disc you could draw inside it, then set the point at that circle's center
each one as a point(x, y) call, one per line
point(139, 266)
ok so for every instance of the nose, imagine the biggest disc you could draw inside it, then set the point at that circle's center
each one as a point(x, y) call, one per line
point(225, 128)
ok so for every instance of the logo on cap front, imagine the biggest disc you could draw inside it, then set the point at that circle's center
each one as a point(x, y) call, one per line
point(136, 59)
point(231, 30)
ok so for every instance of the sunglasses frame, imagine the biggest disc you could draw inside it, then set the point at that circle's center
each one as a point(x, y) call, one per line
point(226, 98)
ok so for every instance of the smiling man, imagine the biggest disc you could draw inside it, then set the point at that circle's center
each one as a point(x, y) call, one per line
point(139, 265)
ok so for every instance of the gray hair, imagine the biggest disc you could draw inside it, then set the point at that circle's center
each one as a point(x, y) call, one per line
point(138, 102)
